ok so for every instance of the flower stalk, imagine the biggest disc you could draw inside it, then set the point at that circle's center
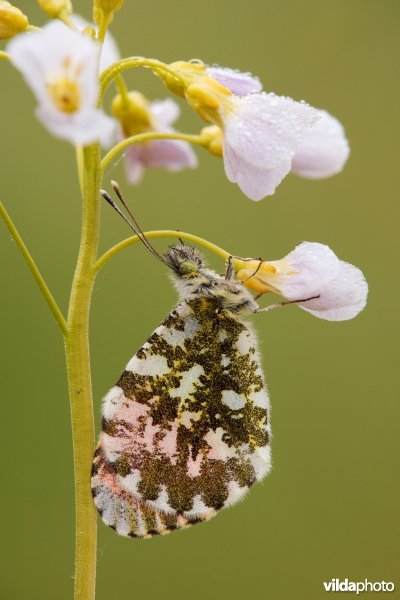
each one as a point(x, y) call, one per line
point(130, 63)
point(160, 233)
point(145, 137)
point(79, 375)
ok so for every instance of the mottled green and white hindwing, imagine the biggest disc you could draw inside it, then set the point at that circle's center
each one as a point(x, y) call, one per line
point(186, 428)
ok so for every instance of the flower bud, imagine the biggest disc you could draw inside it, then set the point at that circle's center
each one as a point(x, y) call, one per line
point(133, 112)
point(212, 136)
point(12, 21)
point(108, 6)
point(55, 8)
point(188, 71)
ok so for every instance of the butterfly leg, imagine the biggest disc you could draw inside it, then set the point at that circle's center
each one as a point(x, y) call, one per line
point(284, 303)
point(230, 269)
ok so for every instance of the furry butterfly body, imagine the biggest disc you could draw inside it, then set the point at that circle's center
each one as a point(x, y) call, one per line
point(186, 427)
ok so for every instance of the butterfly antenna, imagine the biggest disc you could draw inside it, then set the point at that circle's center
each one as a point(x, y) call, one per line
point(138, 230)
point(134, 226)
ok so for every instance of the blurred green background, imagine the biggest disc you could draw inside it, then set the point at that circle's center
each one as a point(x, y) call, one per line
point(330, 508)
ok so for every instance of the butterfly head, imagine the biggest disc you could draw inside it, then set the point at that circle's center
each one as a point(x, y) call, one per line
point(184, 261)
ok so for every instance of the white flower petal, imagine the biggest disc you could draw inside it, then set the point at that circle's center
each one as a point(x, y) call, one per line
point(109, 52)
point(341, 299)
point(261, 134)
point(303, 272)
point(240, 84)
point(165, 112)
point(40, 56)
point(324, 149)
point(57, 54)
point(83, 127)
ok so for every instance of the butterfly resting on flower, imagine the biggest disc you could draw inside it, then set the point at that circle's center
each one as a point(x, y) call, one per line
point(186, 428)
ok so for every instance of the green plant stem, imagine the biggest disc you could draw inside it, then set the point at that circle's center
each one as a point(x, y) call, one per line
point(145, 137)
point(103, 27)
point(122, 89)
point(79, 377)
point(160, 234)
point(132, 62)
point(48, 296)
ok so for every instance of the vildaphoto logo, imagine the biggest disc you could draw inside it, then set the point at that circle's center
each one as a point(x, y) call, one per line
point(344, 585)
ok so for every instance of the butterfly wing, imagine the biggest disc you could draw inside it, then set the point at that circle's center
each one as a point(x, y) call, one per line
point(185, 429)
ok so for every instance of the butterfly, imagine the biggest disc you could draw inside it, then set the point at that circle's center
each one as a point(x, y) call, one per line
point(185, 430)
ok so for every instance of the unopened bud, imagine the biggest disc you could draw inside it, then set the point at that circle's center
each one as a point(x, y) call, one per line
point(186, 70)
point(133, 112)
point(12, 21)
point(105, 9)
point(56, 8)
point(108, 6)
point(212, 136)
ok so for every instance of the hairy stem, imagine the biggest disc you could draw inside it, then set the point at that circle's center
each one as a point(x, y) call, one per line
point(160, 234)
point(103, 27)
point(48, 296)
point(79, 376)
point(132, 62)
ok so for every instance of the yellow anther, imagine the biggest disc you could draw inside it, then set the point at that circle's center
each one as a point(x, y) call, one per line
point(12, 21)
point(65, 94)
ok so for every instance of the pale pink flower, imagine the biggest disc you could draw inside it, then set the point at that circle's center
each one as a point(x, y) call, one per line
point(324, 149)
point(240, 84)
point(172, 155)
point(261, 134)
point(338, 289)
point(265, 136)
point(61, 67)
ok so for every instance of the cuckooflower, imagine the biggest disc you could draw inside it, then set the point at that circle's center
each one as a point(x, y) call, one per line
point(314, 276)
point(261, 135)
point(61, 67)
point(324, 149)
point(137, 115)
point(265, 136)
point(261, 132)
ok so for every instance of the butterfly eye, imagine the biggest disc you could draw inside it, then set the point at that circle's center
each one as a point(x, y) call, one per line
point(188, 268)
